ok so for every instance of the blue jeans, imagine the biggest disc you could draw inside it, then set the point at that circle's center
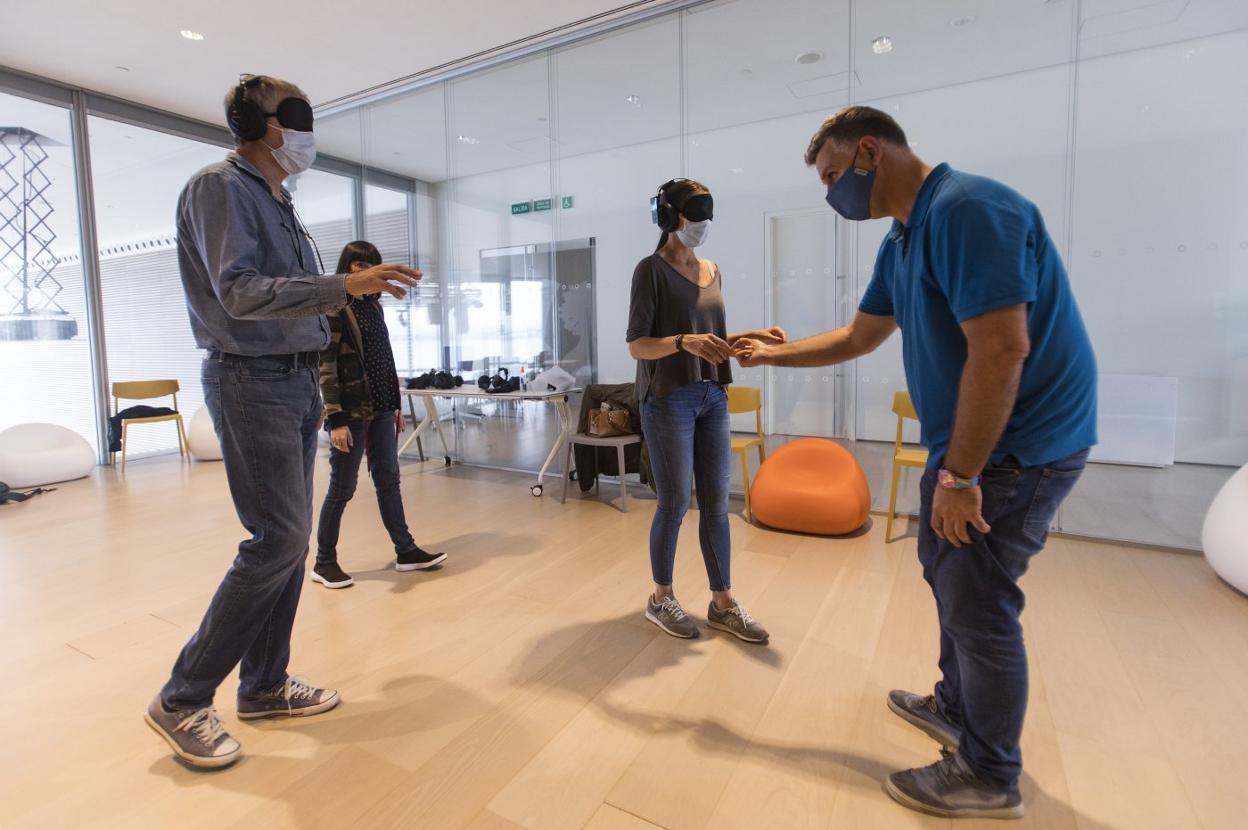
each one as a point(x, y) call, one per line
point(689, 440)
point(266, 414)
point(983, 662)
point(379, 436)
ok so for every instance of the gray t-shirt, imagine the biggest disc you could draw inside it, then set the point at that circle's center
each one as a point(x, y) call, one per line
point(665, 304)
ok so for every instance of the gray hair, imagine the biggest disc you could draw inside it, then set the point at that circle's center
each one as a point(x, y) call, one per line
point(267, 92)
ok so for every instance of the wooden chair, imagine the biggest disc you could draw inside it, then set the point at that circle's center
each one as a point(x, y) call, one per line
point(742, 399)
point(902, 457)
point(142, 390)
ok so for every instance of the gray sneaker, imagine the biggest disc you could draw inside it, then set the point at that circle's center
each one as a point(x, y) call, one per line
point(294, 698)
point(949, 788)
point(197, 737)
point(925, 713)
point(738, 622)
point(669, 616)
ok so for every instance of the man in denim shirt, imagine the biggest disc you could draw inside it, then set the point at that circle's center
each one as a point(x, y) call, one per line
point(257, 303)
point(1003, 377)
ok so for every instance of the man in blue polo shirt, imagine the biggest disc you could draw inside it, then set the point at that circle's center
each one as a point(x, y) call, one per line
point(1003, 377)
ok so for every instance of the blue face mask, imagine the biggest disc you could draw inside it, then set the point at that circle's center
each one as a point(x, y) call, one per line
point(850, 196)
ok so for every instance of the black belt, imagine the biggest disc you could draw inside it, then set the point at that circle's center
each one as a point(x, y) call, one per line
point(310, 360)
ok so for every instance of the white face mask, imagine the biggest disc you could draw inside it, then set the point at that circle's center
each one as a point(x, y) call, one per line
point(694, 234)
point(297, 152)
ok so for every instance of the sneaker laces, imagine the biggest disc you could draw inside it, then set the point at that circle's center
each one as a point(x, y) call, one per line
point(296, 688)
point(671, 606)
point(205, 725)
point(746, 619)
point(952, 771)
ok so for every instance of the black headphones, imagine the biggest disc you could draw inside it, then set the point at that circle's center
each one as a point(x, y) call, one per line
point(245, 117)
point(248, 120)
point(661, 211)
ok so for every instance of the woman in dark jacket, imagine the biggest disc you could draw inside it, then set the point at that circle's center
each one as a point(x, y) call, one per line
point(363, 414)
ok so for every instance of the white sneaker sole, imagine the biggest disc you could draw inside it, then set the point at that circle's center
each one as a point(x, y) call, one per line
point(923, 726)
point(215, 762)
point(422, 566)
point(762, 641)
point(971, 812)
point(652, 618)
point(318, 578)
point(302, 712)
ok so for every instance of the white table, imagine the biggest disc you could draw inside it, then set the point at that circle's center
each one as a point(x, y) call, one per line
point(567, 427)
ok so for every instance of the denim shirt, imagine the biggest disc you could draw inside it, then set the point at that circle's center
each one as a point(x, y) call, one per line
point(251, 280)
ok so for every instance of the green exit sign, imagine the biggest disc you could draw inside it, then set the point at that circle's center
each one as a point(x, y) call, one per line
point(541, 204)
point(567, 202)
point(521, 207)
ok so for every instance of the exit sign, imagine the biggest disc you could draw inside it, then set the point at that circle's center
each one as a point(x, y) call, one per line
point(542, 204)
point(521, 207)
point(567, 202)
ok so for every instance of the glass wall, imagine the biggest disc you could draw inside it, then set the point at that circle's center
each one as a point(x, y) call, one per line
point(138, 174)
point(1084, 108)
point(45, 352)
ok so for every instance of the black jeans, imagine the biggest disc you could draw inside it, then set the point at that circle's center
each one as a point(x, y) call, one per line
point(983, 662)
point(265, 412)
point(379, 436)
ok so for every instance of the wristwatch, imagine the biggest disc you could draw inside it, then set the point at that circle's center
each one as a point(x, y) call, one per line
point(680, 342)
point(952, 481)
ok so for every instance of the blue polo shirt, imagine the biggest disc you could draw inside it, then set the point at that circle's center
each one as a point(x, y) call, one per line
point(973, 245)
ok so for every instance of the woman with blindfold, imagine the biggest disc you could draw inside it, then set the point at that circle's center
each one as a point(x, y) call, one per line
point(678, 335)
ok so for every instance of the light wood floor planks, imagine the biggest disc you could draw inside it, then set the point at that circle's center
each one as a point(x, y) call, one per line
point(519, 686)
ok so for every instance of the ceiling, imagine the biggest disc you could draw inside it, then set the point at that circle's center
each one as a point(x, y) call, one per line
point(133, 50)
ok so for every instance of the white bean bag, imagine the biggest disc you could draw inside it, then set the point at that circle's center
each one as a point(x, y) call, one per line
point(35, 454)
point(1225, 535)
point(202, 438)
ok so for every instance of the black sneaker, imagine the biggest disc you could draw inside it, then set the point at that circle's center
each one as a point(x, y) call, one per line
point(331, 576)
point(924, 713)
point(951, 789)
point(418, 560)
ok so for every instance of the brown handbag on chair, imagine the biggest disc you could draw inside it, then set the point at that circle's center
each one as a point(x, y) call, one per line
point(608, 421)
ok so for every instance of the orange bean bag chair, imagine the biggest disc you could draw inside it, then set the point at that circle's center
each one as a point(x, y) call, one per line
point(811, 485)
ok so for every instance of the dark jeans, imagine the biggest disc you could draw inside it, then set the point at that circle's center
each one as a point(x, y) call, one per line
point(265, 413)
point(983, 662)
point(378, 434)
point(689, 440)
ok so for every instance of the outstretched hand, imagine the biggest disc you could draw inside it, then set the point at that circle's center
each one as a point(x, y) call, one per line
point(751, 352)
point(390, 278)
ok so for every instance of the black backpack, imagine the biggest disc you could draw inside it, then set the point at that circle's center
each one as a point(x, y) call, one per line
point(8, 494)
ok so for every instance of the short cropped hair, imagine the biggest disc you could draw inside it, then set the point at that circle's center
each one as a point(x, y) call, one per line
point(851, 124)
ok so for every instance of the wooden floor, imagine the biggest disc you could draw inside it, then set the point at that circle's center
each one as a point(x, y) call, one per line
point(520, 686)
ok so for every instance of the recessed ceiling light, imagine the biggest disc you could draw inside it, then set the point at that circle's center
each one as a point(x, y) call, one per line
point(882, 45)
point(541, 118)
point(747, 73)
point(964, 20)
point(736, 169)
point(122, 68)
point(467, 139)
point(808, 57)
point(635, 100)
point(189, 35)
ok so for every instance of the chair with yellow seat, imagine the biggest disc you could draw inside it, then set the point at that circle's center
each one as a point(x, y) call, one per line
point(902, 455)
point(742, 399)
point(143, 390)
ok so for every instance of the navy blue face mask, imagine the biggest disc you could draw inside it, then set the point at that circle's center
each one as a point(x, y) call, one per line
point(850, 196)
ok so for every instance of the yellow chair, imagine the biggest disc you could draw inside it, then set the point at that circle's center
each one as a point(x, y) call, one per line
point(743, 399)
point(142, 390)
point(902, 457)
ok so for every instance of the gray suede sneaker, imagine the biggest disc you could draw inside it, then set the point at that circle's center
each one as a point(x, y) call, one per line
point(294, 698)
point(924, 713)
point(197, 737)
point(949, 788)
point(738, 622)
point(669, 616)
